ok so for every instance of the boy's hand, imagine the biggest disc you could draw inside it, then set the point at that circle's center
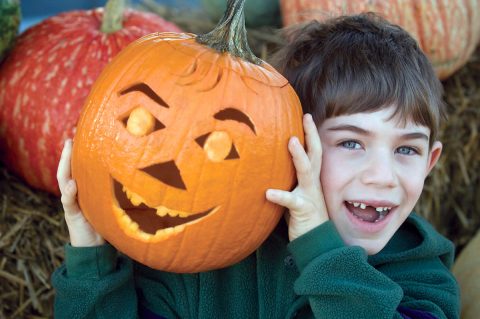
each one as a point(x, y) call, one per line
point(81, 232)
point(305, 203)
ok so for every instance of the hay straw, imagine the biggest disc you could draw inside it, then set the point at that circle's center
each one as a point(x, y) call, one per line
point(33, 232)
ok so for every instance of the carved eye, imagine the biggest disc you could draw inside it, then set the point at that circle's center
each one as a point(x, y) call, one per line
point(141, 122)
point(218, 146)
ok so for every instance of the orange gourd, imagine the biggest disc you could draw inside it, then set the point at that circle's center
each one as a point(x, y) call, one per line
point(467, 271)
point(447, 30)
point(177, 144)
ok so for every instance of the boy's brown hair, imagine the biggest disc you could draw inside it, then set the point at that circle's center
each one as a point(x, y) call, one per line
point(361, 63)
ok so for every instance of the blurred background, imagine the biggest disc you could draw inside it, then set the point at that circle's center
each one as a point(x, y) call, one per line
point(33, 11)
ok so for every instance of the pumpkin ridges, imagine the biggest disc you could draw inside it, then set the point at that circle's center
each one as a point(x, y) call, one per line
point(447, 52)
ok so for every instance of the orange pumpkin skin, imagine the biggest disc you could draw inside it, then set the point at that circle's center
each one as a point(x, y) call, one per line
point(196, 85)
point(448, 31)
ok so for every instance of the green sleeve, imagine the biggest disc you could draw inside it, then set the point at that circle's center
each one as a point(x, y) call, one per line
point(94, 283)
point(339, 281)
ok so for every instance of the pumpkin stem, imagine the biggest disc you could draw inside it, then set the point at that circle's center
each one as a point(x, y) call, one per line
point(230, 34)
point(113, 16)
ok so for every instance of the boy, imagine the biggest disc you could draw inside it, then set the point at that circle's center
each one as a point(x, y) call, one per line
point(350, 247)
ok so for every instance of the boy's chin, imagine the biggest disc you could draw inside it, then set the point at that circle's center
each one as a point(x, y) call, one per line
point(371, 246)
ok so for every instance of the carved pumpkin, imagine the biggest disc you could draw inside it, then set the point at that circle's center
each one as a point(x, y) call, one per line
point(447, 31)
point(47, 76)
point(177, 145)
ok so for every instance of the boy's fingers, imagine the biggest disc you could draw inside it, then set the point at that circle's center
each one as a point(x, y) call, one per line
point(285, 199)
point(63, 170)
point(313, 143)
point(69, 198)
point(301, 162)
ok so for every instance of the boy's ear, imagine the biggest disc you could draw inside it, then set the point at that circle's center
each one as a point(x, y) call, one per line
point(434, 155)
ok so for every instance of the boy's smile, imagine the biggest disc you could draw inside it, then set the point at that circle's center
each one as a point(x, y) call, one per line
point(373, 169)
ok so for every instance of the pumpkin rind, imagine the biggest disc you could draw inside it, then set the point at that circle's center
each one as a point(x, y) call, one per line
point(196, 83)
point(448, 31)
point(45, 80)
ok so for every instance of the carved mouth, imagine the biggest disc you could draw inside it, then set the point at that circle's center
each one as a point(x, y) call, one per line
point(147, 222)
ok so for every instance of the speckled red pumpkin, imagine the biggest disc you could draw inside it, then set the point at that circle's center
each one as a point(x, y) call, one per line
point(45, 80)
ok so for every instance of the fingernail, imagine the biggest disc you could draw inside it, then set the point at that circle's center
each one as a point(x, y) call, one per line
point(271, 193)
point(71, 186)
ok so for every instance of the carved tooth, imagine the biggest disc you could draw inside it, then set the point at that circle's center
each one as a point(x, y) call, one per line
point(162, 211)
point(173, 213)
point(136, 200)
point(145, 236)
point(363, 206)
point(134, 226)
point(182, 214)
point(168, 231)
point(160, 234)
point(178, 229)
point(126, 219)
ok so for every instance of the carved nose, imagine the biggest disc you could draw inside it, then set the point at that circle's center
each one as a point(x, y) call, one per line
point(167, 173)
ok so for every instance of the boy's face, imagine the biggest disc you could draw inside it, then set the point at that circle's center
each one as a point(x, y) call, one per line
point(373, 170)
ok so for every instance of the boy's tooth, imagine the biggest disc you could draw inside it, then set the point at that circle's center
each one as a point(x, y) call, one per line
point(379, 209)
point(363, 206)
point(356, 204)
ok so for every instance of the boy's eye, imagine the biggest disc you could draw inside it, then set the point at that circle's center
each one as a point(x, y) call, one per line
point(406, 150)
point(351, 145)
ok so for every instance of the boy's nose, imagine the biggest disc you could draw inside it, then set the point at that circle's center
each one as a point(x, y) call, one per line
point(379, 171)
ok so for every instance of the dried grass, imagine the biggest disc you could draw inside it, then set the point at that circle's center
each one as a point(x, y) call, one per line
point(33, 232)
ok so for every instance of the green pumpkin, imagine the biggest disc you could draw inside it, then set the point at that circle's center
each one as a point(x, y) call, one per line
point(9, 22)
point(257, 13)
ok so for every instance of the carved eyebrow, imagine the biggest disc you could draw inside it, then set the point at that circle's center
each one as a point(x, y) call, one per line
point(145, 89)
point(236, 115)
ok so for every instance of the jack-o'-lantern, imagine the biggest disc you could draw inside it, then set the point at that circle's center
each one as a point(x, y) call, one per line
point(177, 144)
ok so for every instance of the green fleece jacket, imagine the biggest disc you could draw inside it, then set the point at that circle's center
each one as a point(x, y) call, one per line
point(314, 276)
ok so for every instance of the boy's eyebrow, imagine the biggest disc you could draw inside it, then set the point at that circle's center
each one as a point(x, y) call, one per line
point(415, 135)
point(349, 127)
point(359, 130)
